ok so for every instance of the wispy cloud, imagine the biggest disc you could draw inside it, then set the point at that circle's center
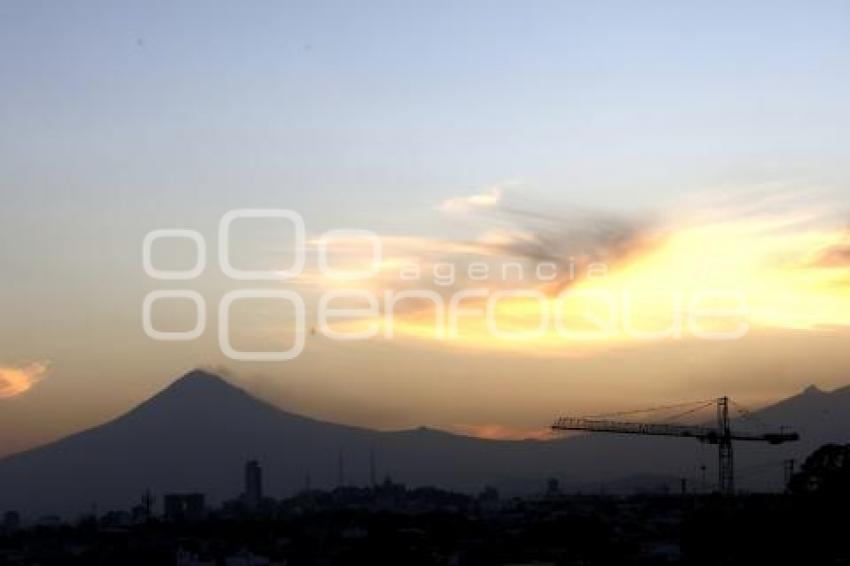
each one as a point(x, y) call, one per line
point(488, 198)
point(572, 238)
point(782, 269)
point(16, 380)
point(501, 432)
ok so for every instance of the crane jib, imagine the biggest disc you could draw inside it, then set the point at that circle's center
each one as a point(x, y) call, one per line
point(705, 434)
point(722, 435)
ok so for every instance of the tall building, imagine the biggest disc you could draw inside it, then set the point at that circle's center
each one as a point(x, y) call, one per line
point(11, 521)
point(253, 484)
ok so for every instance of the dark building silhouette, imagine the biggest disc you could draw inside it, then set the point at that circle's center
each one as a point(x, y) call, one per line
point(11, 521)
point(184, 506)
point(253, 484)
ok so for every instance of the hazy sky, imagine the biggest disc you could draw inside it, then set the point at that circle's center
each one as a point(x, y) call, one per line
point(117, 118)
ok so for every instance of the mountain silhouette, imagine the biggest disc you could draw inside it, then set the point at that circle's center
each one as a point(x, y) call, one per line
point(196, 434)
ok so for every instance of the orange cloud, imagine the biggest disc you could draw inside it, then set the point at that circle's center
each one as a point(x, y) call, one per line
point(501, 432)
point(765, 272)
point(17, 380)
point(580, 283)
point(837, 256)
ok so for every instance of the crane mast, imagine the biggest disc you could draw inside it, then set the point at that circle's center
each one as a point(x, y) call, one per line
point(725, 455)
point(723, 435)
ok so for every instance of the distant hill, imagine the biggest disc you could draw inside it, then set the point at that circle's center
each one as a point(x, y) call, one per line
point(196, 434)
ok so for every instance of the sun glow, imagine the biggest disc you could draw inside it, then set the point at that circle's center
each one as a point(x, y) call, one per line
point(714, 280)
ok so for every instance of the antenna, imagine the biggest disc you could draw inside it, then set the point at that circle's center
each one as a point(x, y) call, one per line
point(788, 467)
point(147, 502)
point(341, 469)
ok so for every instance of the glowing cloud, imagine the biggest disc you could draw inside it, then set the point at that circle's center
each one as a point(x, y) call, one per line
point(719, 279)
point(501, 432)
point(487, 199)
point(17, 380)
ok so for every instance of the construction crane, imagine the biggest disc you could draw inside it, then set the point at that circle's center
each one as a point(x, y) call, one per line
point(722, 435)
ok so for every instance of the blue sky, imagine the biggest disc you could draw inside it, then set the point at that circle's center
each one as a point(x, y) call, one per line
point(382, 107)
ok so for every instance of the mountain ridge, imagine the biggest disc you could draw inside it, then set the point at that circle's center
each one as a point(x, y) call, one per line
point(196, 433)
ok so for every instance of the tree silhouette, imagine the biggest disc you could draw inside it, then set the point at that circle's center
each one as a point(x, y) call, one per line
point(826, 471)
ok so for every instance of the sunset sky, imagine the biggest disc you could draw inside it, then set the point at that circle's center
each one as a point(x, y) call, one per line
point(679, 147)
